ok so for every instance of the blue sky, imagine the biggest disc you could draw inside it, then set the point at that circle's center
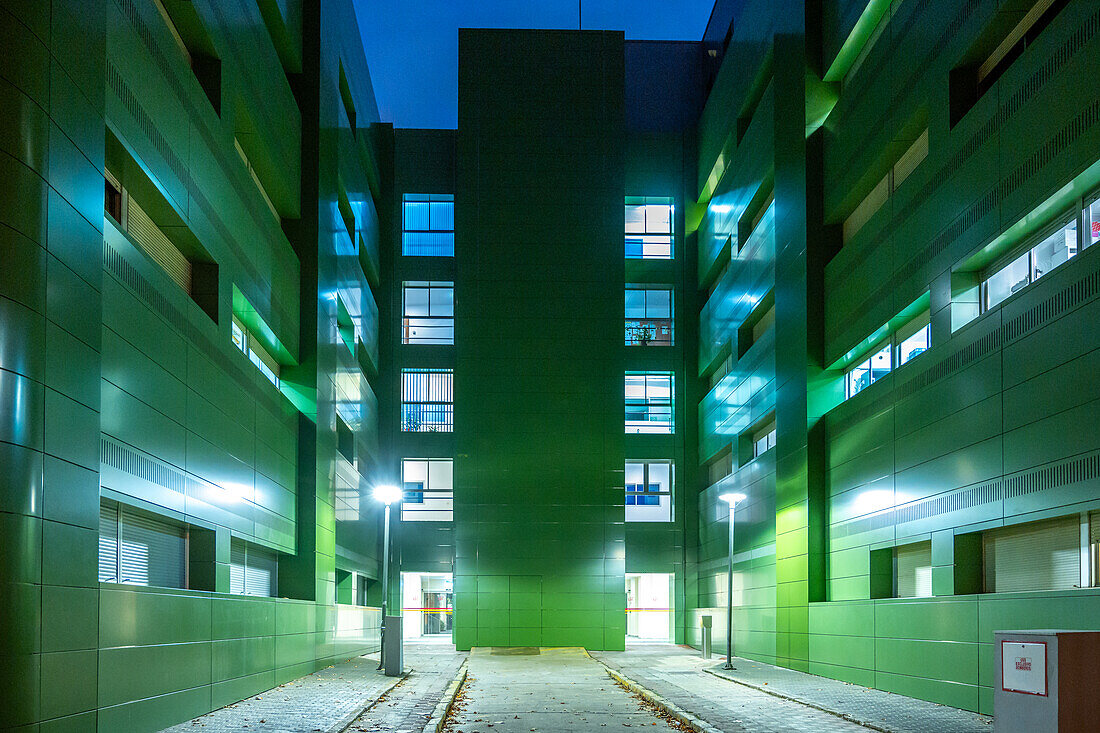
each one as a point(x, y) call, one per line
point(412, 45)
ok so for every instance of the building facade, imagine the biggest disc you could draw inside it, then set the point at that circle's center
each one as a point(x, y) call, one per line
point(836, 257)
point(188, 413)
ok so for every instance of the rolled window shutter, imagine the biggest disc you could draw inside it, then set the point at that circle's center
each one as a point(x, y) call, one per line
point(1036, 556)
point(237, 568)
point(260, 573)
point(108, 542)
point(915, 570)
point(160, 249)
point(152, 551)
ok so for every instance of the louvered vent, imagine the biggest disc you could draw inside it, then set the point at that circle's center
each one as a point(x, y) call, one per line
point(1034, 556)
point(145, 232)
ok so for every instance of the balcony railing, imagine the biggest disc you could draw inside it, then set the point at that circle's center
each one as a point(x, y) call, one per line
point(649, 332)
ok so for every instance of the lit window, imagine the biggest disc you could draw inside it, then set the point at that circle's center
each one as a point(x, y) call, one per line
point(427, 400)
point(429, 225)
point(649, 491)
point(867, 372)
point(1092, 216)
point(256, 353)
point(1055, 249)
point(649, 403)
point(252, 570)
point(648, 316)
point(914, 339)
point(763, 439)
point(428, 490)
point(649, 228)
point(428, 310)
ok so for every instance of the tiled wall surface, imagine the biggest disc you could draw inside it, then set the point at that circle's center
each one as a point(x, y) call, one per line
point(114, 383)
point(988, 428)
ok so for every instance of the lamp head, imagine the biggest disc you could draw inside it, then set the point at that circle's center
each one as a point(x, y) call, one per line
point(732, 499)
point(387, 494)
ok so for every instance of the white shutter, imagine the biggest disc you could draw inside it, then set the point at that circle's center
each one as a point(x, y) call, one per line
point(260, 573)
point(152, 551)
point(1035, 556)
point(914, 570)
point(160, 249)
point(108, 542)
point(236, 567)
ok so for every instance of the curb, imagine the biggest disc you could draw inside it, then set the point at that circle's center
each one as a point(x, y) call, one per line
point(843, 716)
point(443, 708)
point(697, 724)
point(346, 723)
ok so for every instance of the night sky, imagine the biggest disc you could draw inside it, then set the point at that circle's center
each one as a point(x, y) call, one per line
point(412, 45)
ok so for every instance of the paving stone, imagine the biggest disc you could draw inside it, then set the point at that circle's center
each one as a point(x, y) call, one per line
point(680, 675)
point(329, 699)
point(409, 705)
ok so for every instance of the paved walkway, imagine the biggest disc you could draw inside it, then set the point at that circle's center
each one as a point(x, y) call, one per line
point(681, 676)
point(332, 698)
point(520, 690)
point(408, 706)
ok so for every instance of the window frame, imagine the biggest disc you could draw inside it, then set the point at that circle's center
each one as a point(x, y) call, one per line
point(429, 199)
point(446, 322)
point(649, 403)
point(647, 493)
point(637, 327)
point(445, 407)
point(408, 513)
point(1027, 246)
point(645, 202)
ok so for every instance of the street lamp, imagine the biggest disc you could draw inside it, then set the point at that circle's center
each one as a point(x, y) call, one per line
point(387, 494)
point(733, 499)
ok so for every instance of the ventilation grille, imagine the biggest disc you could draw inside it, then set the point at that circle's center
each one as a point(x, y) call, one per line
point(1029, 89)
point(976, 211)
point(152, 240)
point(1045, 478)
point(1079, 292)
point(131, 461)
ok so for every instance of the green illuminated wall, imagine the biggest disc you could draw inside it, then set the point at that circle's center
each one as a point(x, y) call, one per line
point(114, 383)
point(539, 536)
point(989, 428)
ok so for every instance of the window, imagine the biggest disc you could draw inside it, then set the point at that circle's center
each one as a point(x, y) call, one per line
point(913, 565)
point(649, 402)
point(649, 491)
point(253, 571)
point(1010, 35)
point(648, 316)
point(256, 353)
point(763, 438)
point(720, 372)
point(428, 490)
point(256, 180)
point(1006, 280)
point(140, 548)
point(429, 225)
point(1043, 555)
point(864, 374)
point(762, 203)
point(882, 191)
point(428, 310)
point(649, 228)
point(1092, 216)
point(913, 339)
point(719, 468)
point(427, 400)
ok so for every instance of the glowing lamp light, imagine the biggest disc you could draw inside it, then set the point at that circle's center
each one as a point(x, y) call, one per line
point(387, 494)
point(732, 499)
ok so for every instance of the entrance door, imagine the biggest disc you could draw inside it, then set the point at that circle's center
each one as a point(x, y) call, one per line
point(649, 609)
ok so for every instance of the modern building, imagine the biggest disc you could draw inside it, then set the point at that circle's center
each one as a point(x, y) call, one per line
point(836, 257)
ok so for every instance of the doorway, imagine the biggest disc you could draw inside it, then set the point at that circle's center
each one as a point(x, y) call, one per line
point(649, 610)
point(427, 605)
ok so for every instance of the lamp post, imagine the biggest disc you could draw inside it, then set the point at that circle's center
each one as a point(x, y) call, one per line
point(733, 500)
point(387, 495)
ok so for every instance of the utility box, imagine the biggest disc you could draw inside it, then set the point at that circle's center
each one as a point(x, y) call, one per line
point(393, 661)
point(706, 623)
point(1046, 680)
